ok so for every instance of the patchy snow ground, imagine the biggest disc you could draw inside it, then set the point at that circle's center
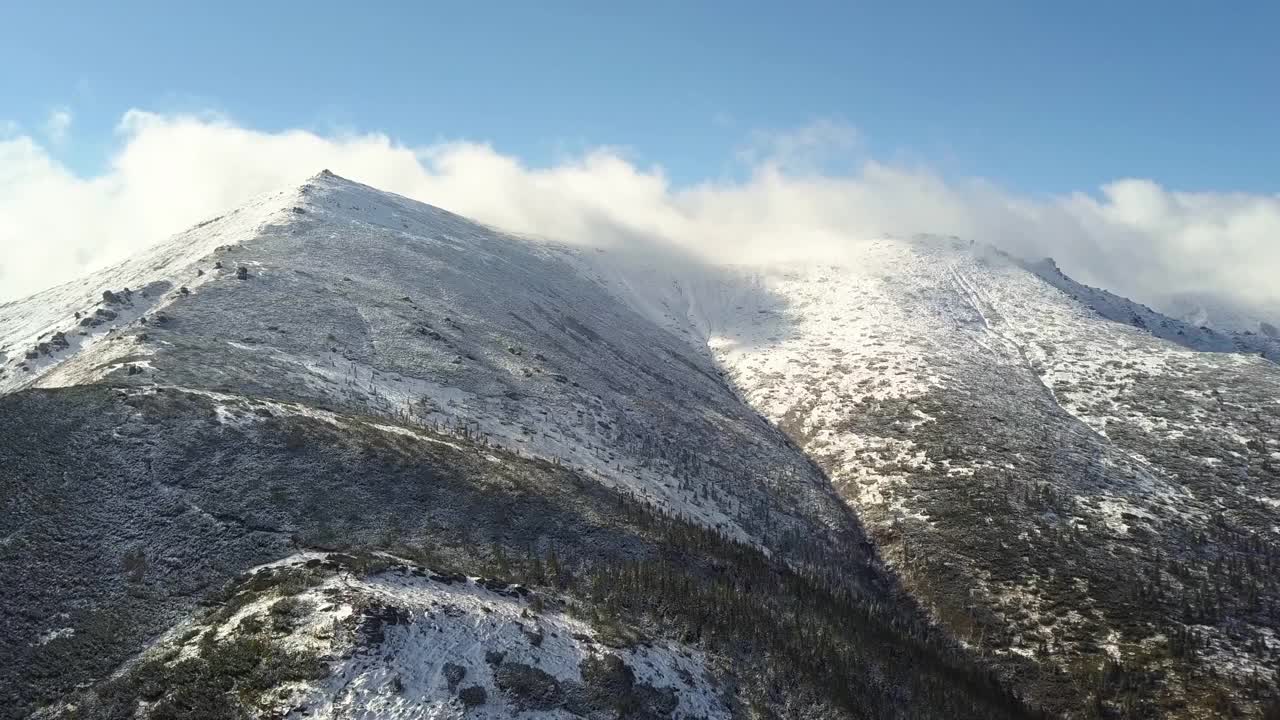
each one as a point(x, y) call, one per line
point(489, 336)
point(701, 389)
point(857, 362)
point(363, 300)
point(153, 279)
point(359, 300)
point(410, 643)
point(811, 345)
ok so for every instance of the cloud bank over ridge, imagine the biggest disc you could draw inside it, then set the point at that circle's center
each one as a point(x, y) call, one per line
point(170, 171)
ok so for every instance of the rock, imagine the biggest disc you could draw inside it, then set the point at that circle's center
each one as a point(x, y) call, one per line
point(184, 290)
point(110, 297)
point(454, 674)
point(494, 657)
point(503, 588)
point(528, 687)
point(242, 273)
point(608, 674)
point(217, 265)
point(609, 689)
point(375, 619)
point(535, 636)
point(473, 696)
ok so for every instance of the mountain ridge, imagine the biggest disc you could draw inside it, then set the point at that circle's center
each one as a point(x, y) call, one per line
point(435, 336)
point(936, 423)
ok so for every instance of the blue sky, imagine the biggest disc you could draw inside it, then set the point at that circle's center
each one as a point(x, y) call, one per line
point(1038, 97)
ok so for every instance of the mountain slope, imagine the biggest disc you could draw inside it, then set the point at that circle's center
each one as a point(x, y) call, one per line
point(1224, 315)
point(335, 368)
point(140, 519)
point(1230, 334)
point(1053, 483)
point(834, 471)
point(342, 296)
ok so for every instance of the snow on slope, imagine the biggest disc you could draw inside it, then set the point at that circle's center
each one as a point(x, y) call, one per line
point(144, 284)
point(810, 345)
point(939, 383)
point(339, 295)
point(406, 642)
point(1232, 332)
point(368, 301)
point(818, 336)
point(954, 396)
point(1217, 313)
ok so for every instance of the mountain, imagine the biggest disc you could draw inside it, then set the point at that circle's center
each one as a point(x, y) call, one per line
point(341, 453)
point(290, 450)
point(1056, 472)
point(340, 296)
point(1229, 330)
point(1226, 316)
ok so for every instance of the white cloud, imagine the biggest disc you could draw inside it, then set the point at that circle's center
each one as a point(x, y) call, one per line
point(823, 143)
point(170, 172)
point(57, 126)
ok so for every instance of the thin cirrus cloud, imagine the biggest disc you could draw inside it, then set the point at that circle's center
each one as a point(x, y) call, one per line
point(170, 171)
